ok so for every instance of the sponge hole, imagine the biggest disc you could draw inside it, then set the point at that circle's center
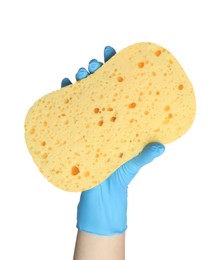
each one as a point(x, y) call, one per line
point(180, 87)
point(112, 119)
point(167, 108)
point(158, 53)
point(120, 79)
point(96, 110)
point(100, 123)
point(120, 155)
point(74, 170)
point(44, 155)
point(43, 143)
point(32, 130)
point(132, 105)
point(140, 65)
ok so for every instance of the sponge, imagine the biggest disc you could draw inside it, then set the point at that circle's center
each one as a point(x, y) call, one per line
point(82, 133)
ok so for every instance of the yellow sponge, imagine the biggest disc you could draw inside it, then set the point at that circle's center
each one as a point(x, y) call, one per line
point(82, 133)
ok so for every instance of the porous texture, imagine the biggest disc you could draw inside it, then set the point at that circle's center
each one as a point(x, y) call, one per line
point(82, 133)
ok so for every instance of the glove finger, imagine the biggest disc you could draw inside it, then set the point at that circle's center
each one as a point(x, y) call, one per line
point(148, 154)
point(108, 53)
point(81, 74)
point(65, 82)
point(128, 170)
point(94, 65)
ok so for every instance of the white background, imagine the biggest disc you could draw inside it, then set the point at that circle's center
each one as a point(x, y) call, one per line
point(171, 201)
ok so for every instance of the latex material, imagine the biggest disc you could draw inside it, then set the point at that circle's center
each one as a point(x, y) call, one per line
point(65, 82)
point(82, 73)
point(92, 67)
point(108, 53)
point(102, 210)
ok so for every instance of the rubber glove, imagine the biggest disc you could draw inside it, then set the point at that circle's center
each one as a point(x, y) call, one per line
point(102, 210)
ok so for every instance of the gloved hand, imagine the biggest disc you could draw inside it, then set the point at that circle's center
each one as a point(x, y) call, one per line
point(102, 210)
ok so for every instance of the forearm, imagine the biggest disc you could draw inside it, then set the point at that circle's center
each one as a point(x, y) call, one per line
point(93, 247)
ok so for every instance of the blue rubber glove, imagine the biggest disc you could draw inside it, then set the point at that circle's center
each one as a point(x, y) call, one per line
point(102, 210)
